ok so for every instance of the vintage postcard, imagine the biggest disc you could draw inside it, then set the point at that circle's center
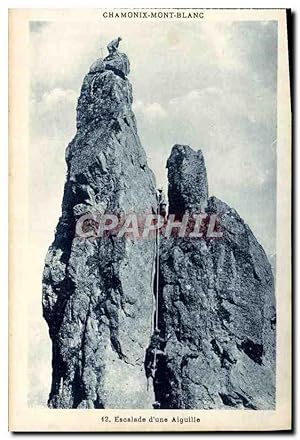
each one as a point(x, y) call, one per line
point(150, 219)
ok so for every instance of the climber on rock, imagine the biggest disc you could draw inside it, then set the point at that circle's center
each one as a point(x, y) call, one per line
point(154, 350)
point(156, 342)
point(156, 405)
point(112, 47)
point(161, 202)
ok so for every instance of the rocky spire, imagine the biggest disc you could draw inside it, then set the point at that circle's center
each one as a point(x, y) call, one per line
point(188, 189)
point(97, 294)
point(217, 306)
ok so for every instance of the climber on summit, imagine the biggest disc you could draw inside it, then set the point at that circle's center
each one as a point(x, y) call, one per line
point(112, 47)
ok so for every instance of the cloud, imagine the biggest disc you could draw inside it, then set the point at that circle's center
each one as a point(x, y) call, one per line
point(54, 113)
point(236, 142)
point(152, 113)
point(57, 96)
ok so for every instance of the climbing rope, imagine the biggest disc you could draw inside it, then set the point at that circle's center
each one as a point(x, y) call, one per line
point(157, 280)
point(157, 263)
point(122, 61)
point(124, 65)
point(92, 84)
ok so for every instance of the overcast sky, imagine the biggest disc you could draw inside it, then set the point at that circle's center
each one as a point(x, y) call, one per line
point(211, 86)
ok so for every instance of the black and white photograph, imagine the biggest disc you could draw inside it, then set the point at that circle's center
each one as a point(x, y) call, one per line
point(153, 178)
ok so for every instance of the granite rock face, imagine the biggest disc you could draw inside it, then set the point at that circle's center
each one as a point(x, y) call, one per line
point(216, 307)
point(118, 63)
point(97, 293)
point(188, 189)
